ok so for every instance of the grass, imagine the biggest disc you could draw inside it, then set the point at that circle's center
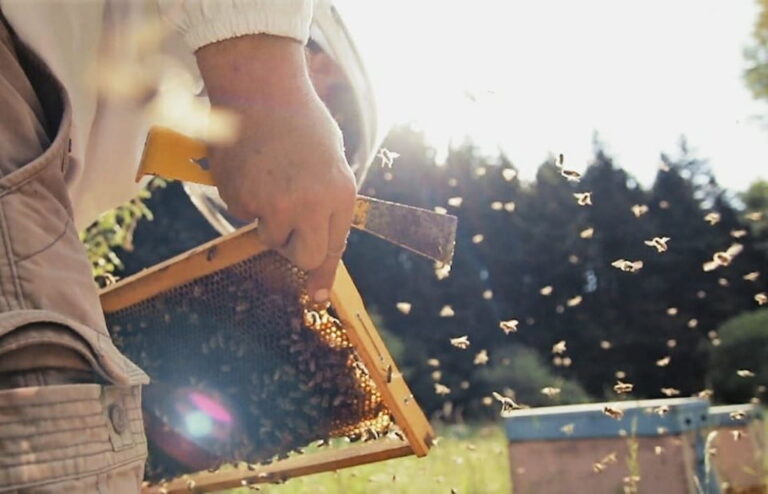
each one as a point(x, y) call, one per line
point(466, 459)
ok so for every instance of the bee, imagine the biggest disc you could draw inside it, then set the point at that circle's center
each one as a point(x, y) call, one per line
point(664, 361)
point(660, 243)
point(481, 358)
point(745, 373)
point(712, 218)
point(573, 302)
point(614, 413)
point(387, 157)
point(508, 405)
point(570, 175)
point(460, 342)
point(587, 233)
point(509, 326)
point(559, 348)
point(639, 209)
point(622, 387)
point(442, 389)
point(738, 415)
point(627, 266)
point(705, 393)
point(567, 429)
point(583, 198)
point(550, 391)
point(609, 459)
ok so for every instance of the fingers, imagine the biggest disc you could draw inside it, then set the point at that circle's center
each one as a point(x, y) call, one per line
point(273, 233)
point(308, 245)
point(320, 280)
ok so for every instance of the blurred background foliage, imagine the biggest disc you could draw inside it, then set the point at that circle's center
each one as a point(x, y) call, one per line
point(515, 238)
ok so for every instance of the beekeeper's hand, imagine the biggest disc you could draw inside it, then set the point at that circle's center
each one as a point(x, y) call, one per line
point(287, 167)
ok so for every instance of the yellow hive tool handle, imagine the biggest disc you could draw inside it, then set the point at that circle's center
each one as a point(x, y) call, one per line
point(169, 154)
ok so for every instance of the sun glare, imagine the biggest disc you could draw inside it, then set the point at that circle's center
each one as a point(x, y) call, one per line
point(541, 78)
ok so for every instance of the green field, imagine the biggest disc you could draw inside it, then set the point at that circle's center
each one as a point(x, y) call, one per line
point(467, 460)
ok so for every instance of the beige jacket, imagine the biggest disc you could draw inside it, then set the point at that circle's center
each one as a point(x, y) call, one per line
point(101, 50)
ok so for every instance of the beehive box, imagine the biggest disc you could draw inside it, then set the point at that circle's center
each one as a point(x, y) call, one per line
point(245, 371)
point(739, 448)
point(656, 447)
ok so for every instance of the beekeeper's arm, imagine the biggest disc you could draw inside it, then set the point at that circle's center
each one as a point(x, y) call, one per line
point(288, 167)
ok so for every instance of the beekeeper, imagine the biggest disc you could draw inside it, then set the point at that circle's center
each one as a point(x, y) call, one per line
point(70, 414)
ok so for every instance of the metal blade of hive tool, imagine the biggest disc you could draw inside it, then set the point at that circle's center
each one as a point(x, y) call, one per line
point(169, 154)
point(419, 230)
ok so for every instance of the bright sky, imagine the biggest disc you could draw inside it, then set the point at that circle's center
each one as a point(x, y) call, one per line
point(546, 74)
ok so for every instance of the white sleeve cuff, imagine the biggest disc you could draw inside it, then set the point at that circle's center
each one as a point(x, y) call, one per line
point(203, 22)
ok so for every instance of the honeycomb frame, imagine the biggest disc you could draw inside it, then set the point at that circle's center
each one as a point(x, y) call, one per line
point(241, 245)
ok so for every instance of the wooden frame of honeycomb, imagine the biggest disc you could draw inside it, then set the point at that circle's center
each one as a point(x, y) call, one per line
point(360, 330)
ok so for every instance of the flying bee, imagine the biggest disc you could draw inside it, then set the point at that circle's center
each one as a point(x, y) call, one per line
point(712, 218)
point(508, 405)
point(622, 387)
point(509, 326)
point(583, 198)
point(639, 209)
point(627, 266)
point(460, 342)
point(481, 358)
point(559, 348)
point(738, 415)
point(442, 389)
point(550, 391)
point(614, 413)
point(660, 243)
